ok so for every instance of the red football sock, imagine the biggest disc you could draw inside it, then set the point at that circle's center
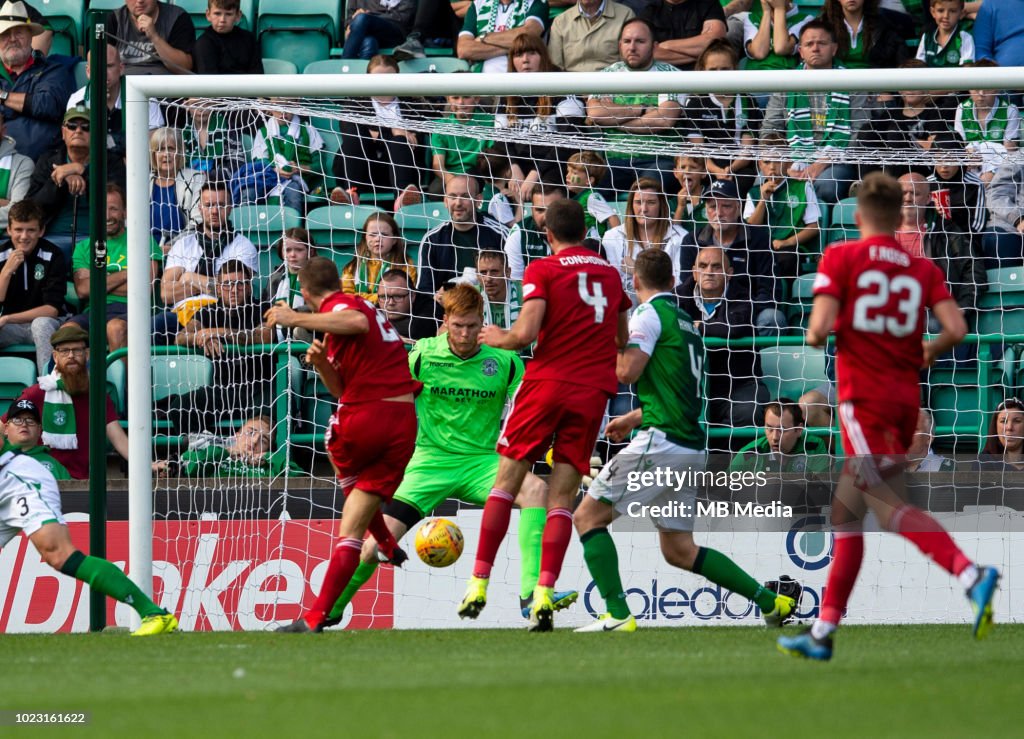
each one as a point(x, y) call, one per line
point(493, 527)
point(930, 537)
point(379, 530)
point(847, 553)
point(557, 532)
point(344, 561)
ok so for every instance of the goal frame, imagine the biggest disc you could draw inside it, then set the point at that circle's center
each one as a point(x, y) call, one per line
point(140, 89)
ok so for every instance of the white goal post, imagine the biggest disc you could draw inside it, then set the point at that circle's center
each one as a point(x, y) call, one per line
point(140, 89)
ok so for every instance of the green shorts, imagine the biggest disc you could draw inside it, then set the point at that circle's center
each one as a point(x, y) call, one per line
point(433, 476)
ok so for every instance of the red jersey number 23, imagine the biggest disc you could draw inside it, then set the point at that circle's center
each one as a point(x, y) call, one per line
point(870, 313)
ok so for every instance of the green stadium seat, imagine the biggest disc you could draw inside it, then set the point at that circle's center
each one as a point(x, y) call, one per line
point(619, 206)
point(336, 66)
point(179, 373)
point(302, 32)
point(961, 399)
point(16, 374)
point(81, 76)
point(97, 12)
point(279, 66)
point(790, 371)
point(71, 297)
point(434, 64)
point(338, 225)
point(117, 383)
point(416, 220)
point(1005, 288)
point(264, 224)
point(799, 309)
point(844, 226)
point(64, 17)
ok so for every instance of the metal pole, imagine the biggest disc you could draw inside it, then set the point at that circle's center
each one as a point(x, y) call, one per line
point(98, 315)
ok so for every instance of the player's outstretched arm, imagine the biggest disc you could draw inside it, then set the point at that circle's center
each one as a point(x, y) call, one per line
point(823, 318)
point(342, 322)
point(523, 332)
point(954, 328)
point(630, 365)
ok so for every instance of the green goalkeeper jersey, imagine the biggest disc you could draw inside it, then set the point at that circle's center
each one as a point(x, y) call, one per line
point(669, 388)
point(460, 407)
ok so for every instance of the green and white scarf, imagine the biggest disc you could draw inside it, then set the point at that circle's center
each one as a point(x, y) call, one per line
point(996, 129)
point(5, 174)
point(800, 126)
point(58, 414)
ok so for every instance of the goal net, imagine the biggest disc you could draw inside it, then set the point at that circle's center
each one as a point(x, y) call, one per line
point(410, 182)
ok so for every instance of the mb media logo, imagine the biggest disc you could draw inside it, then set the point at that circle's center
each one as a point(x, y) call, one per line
point(808, 546)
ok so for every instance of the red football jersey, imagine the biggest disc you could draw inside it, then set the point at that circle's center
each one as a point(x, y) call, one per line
point(883, 292)
point(577, 337)
point(373, 365)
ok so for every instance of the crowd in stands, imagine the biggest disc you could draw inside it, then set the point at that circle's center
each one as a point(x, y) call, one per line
point(742, 223)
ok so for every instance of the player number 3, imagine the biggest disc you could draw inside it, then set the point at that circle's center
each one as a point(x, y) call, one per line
point(904, 288)
point(595, 299)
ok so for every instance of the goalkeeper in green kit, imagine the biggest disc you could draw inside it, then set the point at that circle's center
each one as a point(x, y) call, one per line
point(465, 390)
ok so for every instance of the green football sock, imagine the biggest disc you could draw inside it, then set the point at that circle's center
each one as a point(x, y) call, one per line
point(531, 531)
point(363, 573)
point(721, 570)
point(104, 577)
point(603, 562)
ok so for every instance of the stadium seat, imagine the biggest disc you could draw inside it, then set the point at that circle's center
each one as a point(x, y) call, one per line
point(64, 17)
point(179, 373)
point(844, 226)
point(302, 32)
point(790, 371)
point(81, 76)
point(416, 220)
point(961, 399)
point(336, 66)
point(16, 374)
point(264, 224)
point(97, 12)
point(71, 297)
point(279, 66)
point(338, 225)
point(117, 381)
point(434, 64)
point(1005, 288)
point(799, 309)
point(619, 206)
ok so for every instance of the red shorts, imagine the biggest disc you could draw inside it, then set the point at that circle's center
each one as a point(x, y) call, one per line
point(877, 432)
point(544, 410)
point(371, 443)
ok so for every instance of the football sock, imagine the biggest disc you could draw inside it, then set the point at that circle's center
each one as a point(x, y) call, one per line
point(968, 576)
point(557, 533)
point(363, 573)
point(104, 577)
point(822, 629)
point(493, 527)
point(603, 562)
point(344, 561)
point(930, 537)
point(847, 553)
point(531, 531)
point(721, 570)
point(379, 530)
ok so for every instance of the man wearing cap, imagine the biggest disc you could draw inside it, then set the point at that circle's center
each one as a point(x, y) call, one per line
point(33, 276)
point(63, 396)
point(24, 428)
point(30, 504)
point(60, 182)
point(116, 292)
point(33, 88)
point(751, 257)
point(153, 37)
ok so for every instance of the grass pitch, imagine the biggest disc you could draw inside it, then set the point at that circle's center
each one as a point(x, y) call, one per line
point(714, 681)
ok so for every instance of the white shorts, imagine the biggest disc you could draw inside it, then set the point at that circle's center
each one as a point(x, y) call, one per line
point(28, 496)
point(619, 482)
